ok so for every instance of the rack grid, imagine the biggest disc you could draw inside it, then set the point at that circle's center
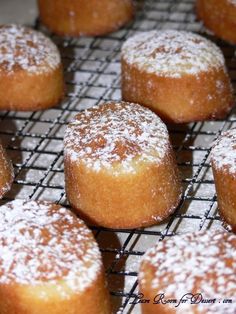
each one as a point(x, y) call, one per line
point(92, 70)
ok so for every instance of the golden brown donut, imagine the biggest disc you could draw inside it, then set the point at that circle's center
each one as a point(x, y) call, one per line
point(120, 170)
point(49, 262)
point(180, 75)
point(82, 17)
point(198, 267)
point(6, 172)
point(223, 160)
point(31, 75)
point(219, 16)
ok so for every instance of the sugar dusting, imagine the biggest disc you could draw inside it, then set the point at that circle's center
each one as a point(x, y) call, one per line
point(202, 262)
point(42, 243)
point(223, 154)
point(172, 53)
point(116, 133)
point(26, 49)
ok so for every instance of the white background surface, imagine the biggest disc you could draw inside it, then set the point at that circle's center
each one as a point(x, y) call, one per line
point(18, 11)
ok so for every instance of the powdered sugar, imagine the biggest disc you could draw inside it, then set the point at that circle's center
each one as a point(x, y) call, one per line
point(223, 154)
point(202, 262)
point(26, 49)
point(116, 133)
point(42, 243)
point(172, 53)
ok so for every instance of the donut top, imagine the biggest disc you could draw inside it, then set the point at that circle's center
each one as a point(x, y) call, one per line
point(172, 53)
point(115, 133)
point(223, 154)
point(41, 243)
point(203, 262)
point(22, 48)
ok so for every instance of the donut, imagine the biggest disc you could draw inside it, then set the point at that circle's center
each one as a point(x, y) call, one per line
point(31, 76)
point(81, 17)
point(219, 16)
point(179, 75)
point(120, 170)
point(223, 160)
point(6, 172)
point(49, 262)
point(189, 274)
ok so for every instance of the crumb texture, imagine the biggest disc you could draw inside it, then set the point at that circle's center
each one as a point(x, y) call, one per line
point(116, 133)
point(172, 53)
point(41, 243)
point(203, 262)
point(223, 154)
point(22, 48)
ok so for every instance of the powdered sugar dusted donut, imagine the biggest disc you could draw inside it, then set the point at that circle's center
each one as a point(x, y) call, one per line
point(49, 262)
point(119, 166)
point(198, 267)
point(80, 17)
point(6, 172)
point(30, 70)
point(223, 159)
point(180, 75)
point(219, 16)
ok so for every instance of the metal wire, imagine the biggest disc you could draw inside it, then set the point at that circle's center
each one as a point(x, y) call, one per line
point(92, 72)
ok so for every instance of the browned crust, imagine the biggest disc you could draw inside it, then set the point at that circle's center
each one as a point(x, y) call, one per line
point(149, 293)
point(225, 183)
point(126, 200)
point(179, 100)
point(219, 16)
point(23, 299)
point(89, 17)
point(7, 172)
point(24, 91)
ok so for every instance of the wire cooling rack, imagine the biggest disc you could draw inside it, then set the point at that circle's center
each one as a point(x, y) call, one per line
point(92, 70)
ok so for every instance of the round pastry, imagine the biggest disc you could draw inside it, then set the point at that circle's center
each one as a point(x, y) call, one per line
point(190, 274)
point(223, 160)
point(120, 169)
point(31, 76)
point(219, 16)
point(49, 262)
point(6, 172)
point(179, 75)
point(81, 17)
